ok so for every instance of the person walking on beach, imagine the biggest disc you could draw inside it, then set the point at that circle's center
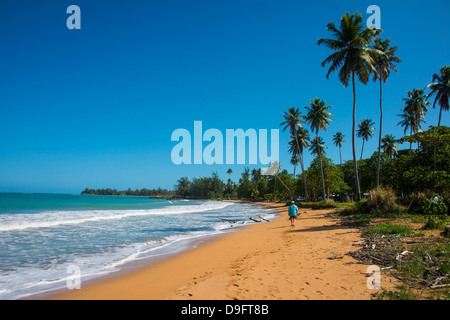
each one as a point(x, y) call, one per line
point(292, 211)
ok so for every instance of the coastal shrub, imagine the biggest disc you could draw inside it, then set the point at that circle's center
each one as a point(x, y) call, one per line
point(321, 205)
point(435, 206)
point(433, 224)
point(356, 214)
point(381, 202)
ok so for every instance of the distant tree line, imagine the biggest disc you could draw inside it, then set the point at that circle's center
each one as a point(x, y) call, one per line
point(424, 169)
point(142, 192)
point(407, 172)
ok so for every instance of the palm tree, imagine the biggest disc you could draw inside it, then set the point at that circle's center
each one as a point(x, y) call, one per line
point(409, 120)
point(318, 118)
point(338, 140)
point(229, 172)
point(353, 56)
point(295, 160)
point(441, 87)
point(296, 145)
point(417, 104)
point(317, 146)
point(293, 121)
point(389, 145)
point(384, 63)
point(256, 175)
point(365, 132)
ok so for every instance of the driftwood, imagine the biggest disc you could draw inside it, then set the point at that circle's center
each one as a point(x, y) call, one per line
point(242, 222)
point(389, 253)
point(262, 218)
point(232, 222)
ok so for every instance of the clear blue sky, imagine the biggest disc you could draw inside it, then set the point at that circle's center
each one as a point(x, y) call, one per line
point(96, 107)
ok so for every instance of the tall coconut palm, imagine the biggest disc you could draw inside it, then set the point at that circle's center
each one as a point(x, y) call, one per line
point(389, 145)
point(318, 118)
point(293, 121)
point(384, 60)
point(296, 146)
point(410, 121)
point(365, 131)
point(295, 160)
point(338, 140)
point(416, 103)
point(317, 146)
point(229, 172)
point(441, 87)
point(353, 56)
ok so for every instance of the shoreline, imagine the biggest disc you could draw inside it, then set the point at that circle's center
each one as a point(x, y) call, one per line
point(262, 261)
point(159, 254)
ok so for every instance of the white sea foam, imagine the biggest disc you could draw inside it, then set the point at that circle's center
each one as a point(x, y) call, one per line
point(40, 246)
point(50, 219)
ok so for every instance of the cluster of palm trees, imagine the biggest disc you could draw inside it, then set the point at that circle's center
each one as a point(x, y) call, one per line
point(319, 119)
point(360, 53)
point(416, 104)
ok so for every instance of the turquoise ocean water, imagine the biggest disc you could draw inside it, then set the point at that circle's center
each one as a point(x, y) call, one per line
point(41, 235)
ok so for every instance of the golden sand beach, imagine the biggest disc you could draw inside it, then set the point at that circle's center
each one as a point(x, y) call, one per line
point(266, 261)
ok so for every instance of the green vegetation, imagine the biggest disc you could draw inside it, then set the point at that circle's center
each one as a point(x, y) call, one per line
point(389, 229)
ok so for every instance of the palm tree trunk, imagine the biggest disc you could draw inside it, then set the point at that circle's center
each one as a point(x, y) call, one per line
point(340, 156)
point(379, 137)
point(355, 164)
point(410, 133)
point(295, 167)
point(362, 150)
point(289, 190)
point(304, 177)
point(440, 112)
point(321, 169)
point(303, 171)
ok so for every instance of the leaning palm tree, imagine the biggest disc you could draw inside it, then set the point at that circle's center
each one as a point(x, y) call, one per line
point(384, 63)
point(296, 145)
point(338, 140)
point(441, 87)
point(389, 145)
point(365, 132)
point(353, 56)
point(318, 118)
